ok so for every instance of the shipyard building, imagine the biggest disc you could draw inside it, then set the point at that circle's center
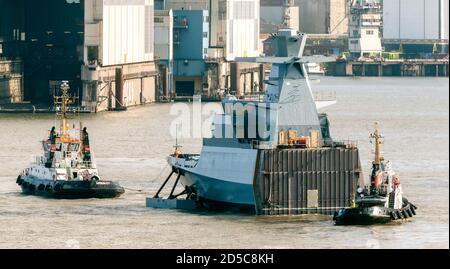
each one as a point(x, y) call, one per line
point(207, 38)
point(104, 48)
point(307, 16)
point(118, 54)
point(418, 28)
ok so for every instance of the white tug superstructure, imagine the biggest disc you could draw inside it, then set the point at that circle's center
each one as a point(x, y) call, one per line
point(67, 168)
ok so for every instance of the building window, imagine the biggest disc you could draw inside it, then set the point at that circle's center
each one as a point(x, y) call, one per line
point(354, 42)
point(92, 54)
point(206, 19)
point(159, 20)
point(205, 51)
point(205, 34)
point(369, 32)
point(355, 33)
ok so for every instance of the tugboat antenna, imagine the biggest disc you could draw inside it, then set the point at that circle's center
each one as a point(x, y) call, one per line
point(377, 137)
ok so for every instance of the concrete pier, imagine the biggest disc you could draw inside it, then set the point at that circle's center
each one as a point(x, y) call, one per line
point(387, 68)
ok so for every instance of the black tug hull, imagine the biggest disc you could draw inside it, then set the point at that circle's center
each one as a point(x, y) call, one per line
point(373, 215)
point(70, 189)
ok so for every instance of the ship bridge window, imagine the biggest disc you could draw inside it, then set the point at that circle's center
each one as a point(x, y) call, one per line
point(74, 147)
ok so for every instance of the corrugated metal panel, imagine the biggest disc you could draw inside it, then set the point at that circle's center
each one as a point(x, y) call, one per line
point(128, 32)
point(288, 177)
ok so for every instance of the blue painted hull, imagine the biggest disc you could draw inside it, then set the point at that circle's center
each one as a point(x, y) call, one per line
point(220, 191)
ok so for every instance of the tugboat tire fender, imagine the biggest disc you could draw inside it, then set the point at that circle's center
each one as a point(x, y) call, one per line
point(405, 215)
point(19, 180)
point(410, 214)
point(41, 187)
point(25, 185)
point(413, 210)
point(58, 187)
point(95, 178)
point(399, 214)
point(393, 215)
point(48, 188)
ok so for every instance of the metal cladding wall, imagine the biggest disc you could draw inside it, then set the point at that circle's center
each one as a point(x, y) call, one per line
point(11, 27)
point(243, 28)
point(54, 35)
point(306, 181)
point(415, 19)
point(128, 31)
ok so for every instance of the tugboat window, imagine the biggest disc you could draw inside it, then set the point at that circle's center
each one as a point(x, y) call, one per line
point(74, 147)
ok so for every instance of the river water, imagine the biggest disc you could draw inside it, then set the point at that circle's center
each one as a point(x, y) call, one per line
point(131, 147)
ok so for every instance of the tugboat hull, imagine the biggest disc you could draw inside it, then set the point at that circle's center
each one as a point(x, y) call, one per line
point(362, 216)
point(70, 189)
point(373, 215)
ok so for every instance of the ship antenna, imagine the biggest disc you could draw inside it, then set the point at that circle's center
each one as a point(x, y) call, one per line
point(177, 146)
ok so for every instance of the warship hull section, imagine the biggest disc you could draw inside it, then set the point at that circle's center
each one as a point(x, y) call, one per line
point(222, 175)
point(61, 189)
point(276, 181)
point(306, 181)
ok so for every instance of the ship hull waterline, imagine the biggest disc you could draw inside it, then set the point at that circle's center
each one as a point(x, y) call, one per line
point(219, 194)
point(70, 189)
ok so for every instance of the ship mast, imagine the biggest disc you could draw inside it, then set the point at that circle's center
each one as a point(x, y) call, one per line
point(63, 102)
point(377, 137)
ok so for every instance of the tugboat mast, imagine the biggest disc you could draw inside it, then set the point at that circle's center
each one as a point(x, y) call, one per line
point(377, 136)
point(63, 102)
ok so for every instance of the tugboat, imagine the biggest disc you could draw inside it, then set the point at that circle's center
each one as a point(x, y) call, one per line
point(67, 169)
point(383, 200)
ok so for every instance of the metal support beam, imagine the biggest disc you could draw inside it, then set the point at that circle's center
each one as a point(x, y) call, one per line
point(163, 185)
point(171, 196)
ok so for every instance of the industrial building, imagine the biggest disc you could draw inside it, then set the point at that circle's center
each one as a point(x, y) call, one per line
point(273, 15)
point(417, 28)
point(208, 37)
point(164, 44)
point(11, 66)
point(191, 35)
point(119, 69)
point(47, 36)
point(307, 16)
point(92, 44)
point(365, 22)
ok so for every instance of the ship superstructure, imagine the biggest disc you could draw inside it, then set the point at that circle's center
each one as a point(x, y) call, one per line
point(274, 156)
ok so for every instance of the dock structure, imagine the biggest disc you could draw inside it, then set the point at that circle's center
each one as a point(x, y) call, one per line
point(398, 67)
